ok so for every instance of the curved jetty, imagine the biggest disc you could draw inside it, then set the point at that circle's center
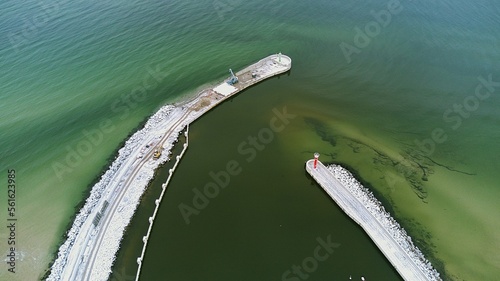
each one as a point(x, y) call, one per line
point(360, 204)
point(92, 242)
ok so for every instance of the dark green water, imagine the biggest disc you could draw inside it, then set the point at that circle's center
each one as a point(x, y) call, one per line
point(268, 217)
point(75, 70)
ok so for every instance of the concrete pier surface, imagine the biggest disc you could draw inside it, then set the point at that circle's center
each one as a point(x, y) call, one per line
point(92, 242)
point(365, 210)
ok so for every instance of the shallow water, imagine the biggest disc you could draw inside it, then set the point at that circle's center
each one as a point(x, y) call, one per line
point(78, 68)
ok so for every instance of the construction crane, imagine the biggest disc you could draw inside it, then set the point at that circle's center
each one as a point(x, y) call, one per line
point(233, 79)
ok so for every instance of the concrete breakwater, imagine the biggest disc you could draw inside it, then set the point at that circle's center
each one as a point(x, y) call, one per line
point(362, 207)
point(158, 202)
point(76, 249)
point(94, 238)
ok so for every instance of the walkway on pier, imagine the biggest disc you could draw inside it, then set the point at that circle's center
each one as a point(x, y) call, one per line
point(89, 251)
point(358, 212)
point(158, 202)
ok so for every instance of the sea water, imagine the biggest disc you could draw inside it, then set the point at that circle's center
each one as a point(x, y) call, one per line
point(399, 109)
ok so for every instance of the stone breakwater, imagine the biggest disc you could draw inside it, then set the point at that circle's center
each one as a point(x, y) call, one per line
point(158, 201)
point(100, 189)
point(95, 236)
point(366, 197)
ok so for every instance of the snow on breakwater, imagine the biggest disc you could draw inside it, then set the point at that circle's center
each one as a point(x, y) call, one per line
point(106, 181)
point(95, 237)
point(366, 197)
point(126, 209)
point(158, 202)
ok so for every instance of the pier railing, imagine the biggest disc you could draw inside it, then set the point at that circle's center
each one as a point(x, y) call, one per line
point(158, 202)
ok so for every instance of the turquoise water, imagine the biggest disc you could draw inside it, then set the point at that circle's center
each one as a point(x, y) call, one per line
point(69, 67)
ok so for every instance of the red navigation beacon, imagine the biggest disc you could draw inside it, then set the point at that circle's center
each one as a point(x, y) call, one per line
point(316, 156)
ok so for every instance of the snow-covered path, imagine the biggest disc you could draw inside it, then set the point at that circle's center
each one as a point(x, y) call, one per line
point(360, 204)
point(94, 239)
